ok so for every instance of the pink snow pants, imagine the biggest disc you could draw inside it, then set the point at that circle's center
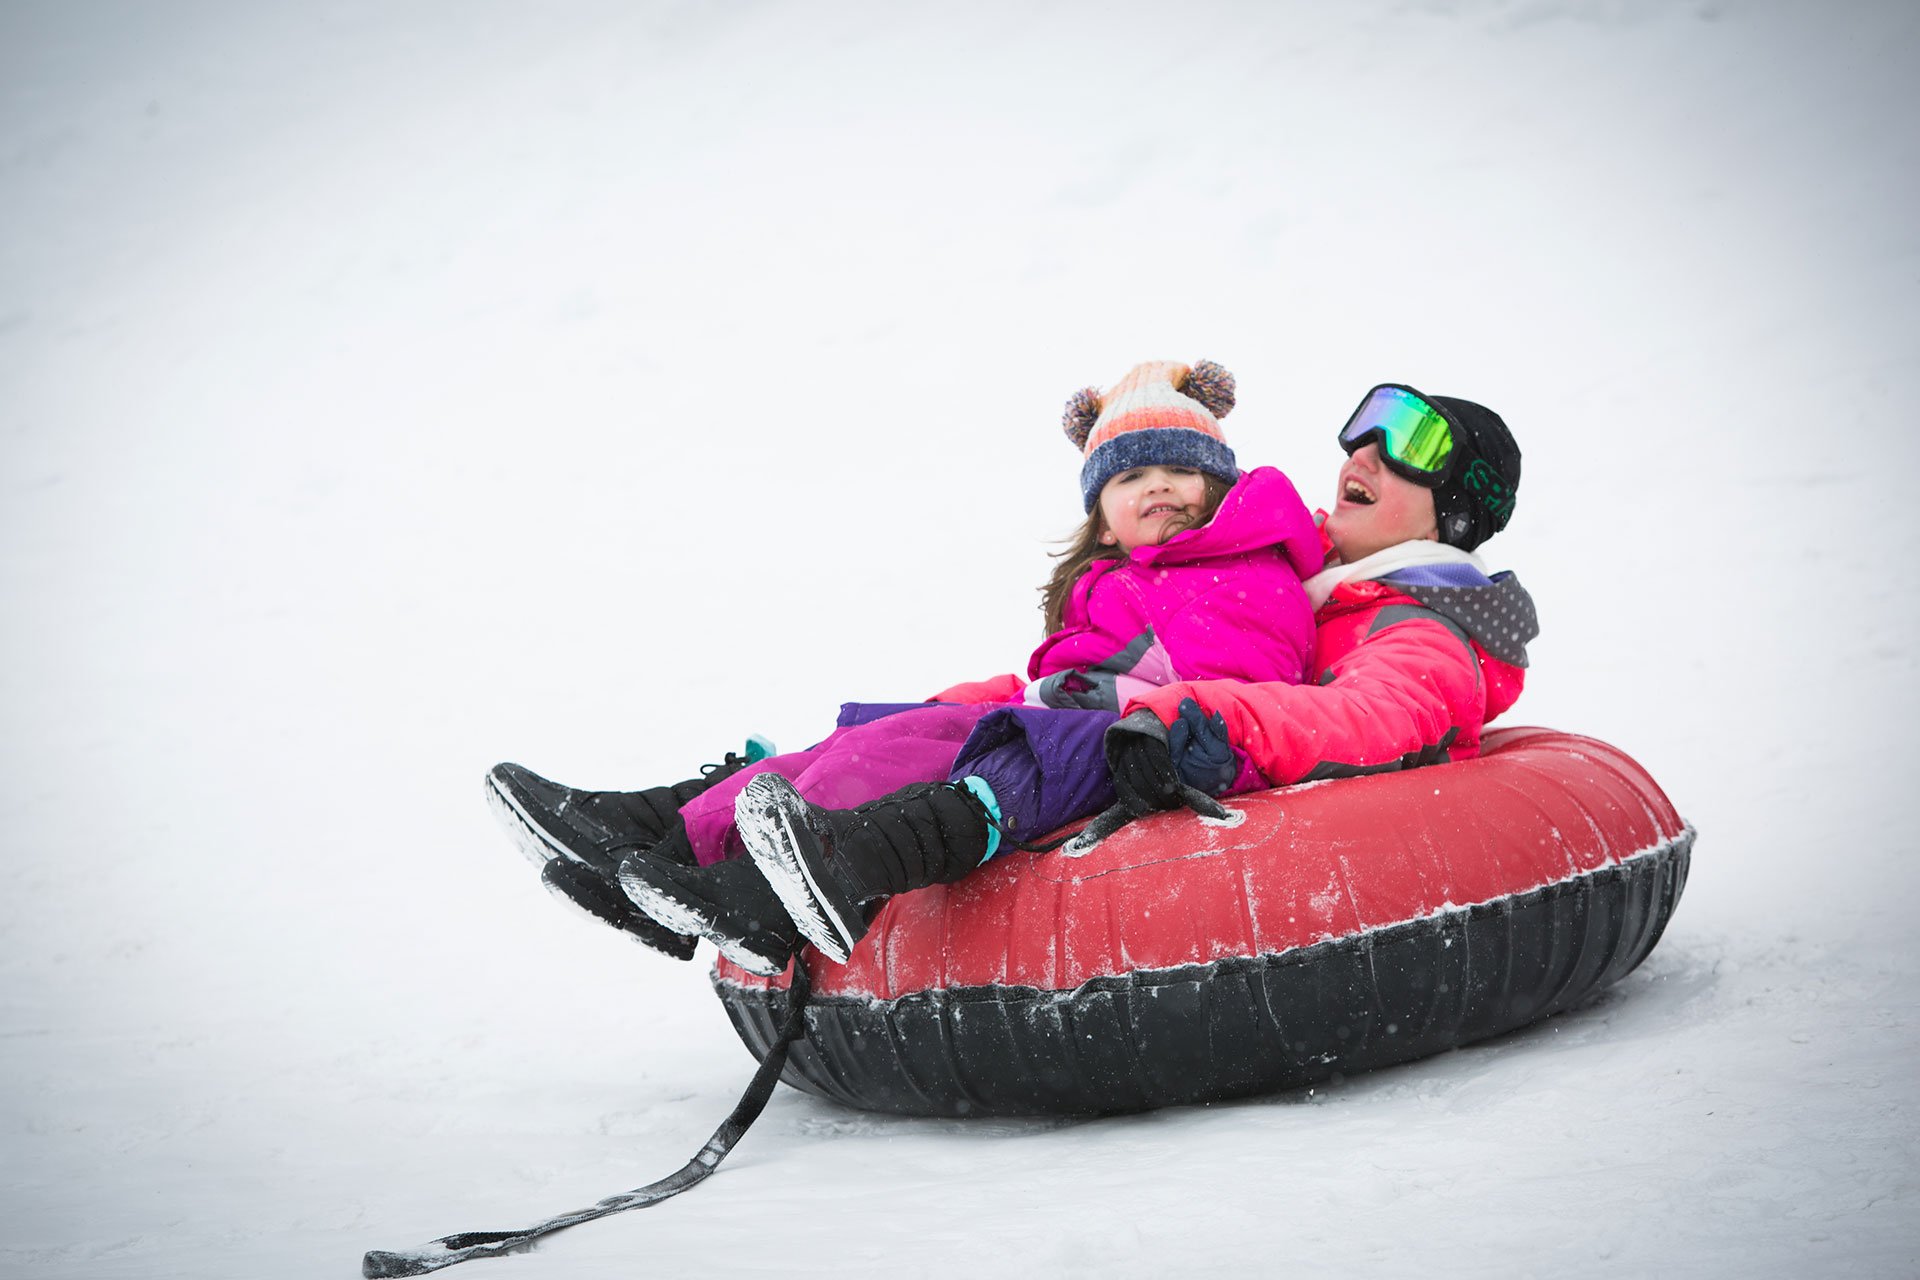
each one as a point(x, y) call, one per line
point(883, 749)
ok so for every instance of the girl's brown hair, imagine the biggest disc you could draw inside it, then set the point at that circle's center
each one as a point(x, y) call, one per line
point(1085, 547)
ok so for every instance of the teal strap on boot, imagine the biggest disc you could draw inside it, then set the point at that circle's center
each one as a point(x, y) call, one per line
point(984, 794)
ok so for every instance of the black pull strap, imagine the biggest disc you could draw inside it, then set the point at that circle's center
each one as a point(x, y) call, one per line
point(444, 1252)
point(1108, 821)
point(1203, 804)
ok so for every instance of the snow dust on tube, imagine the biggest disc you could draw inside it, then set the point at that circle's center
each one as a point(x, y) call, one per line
point(1344, 925)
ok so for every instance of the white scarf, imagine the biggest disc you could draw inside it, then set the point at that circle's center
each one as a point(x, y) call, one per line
point(1381, 563)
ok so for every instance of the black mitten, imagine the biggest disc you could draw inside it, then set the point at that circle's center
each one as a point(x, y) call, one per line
point(1144, 776)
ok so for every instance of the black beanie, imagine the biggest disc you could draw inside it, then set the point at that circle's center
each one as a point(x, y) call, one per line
point(1476, 499)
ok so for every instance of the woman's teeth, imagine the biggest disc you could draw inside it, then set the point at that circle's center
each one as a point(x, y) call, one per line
point(1357, 492)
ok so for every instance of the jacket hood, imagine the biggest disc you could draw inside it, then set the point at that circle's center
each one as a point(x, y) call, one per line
point(1496, 611)
point(1261, 510)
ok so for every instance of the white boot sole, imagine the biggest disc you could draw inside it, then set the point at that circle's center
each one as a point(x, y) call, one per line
point(566, 900)
point(534, 843)
point(686, 919)
point(765, 812)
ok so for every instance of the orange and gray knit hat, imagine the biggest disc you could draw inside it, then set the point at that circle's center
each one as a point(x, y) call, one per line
point(1162, 413)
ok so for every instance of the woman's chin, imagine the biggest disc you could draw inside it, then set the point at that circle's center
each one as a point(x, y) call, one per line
point(1349, 543)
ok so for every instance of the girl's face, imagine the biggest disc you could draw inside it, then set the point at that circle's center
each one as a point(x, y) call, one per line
point(1376, 508)
point(1142, 505)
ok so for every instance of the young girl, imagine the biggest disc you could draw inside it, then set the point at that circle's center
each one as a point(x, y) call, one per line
point(1186, 570)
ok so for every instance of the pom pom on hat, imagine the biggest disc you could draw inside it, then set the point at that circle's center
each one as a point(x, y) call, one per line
point(1162, 413)
point(1212, 386)
point(1082, 412)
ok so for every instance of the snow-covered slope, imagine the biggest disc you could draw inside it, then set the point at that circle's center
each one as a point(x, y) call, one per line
point(385, 391)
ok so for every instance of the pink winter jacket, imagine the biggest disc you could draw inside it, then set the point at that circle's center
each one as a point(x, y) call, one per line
point(1409, 670)
point(1221, 602)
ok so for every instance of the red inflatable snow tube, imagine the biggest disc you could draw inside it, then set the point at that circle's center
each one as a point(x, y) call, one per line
point(1341, 926)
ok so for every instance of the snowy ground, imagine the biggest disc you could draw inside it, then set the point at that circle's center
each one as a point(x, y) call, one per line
point(387, 390)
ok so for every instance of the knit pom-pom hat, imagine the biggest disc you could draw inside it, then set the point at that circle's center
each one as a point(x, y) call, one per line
point(1162, 413)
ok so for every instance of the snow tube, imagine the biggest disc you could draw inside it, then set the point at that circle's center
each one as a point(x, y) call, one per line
point(1341, 926)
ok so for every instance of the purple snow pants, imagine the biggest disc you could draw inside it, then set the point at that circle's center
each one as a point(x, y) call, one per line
point(1046, 766)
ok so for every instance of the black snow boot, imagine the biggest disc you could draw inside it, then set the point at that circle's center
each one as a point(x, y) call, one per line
point(577, 838)
point(594, 828)
point(586, 890)
point(828, 865)
point(729, 903)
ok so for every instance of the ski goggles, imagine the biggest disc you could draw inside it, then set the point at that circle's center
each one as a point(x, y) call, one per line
point(1416, 436)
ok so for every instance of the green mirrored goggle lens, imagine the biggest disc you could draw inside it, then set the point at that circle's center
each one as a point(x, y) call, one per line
point(1411, 431)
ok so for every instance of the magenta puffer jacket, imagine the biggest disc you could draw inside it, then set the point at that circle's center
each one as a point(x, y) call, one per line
point(1409, 670)
point(1221, 602)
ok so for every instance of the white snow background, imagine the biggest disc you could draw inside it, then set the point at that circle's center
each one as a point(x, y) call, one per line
point(387, 390)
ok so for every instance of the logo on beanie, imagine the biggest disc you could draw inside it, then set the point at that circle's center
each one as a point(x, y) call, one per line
point(1492, 492)
point(1484, 483)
